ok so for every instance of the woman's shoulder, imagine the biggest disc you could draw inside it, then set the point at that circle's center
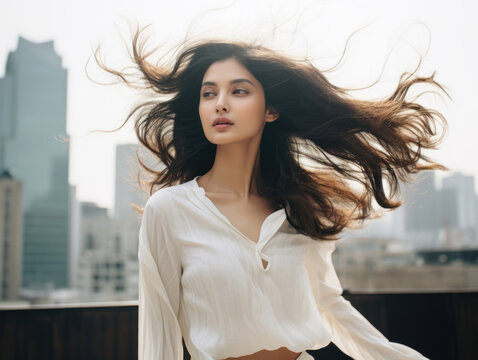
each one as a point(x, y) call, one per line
point(170, 196)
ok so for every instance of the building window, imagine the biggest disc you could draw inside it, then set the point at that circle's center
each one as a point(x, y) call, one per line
point(117, 244)
point(90, 242)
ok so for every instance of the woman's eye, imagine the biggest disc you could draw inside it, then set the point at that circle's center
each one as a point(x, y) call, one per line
point(236, 91)
point(207, 93)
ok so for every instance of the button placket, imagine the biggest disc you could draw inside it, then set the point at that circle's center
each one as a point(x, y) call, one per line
point(260, 256)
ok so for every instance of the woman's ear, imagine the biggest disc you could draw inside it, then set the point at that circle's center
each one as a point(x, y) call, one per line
point(271, 114)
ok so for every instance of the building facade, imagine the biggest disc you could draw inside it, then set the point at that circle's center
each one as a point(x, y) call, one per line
point(11, 237)
point(108, 265)
point(34, 147)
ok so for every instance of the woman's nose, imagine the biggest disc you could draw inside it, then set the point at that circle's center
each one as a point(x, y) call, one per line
point(220, 108)
point(221, 105)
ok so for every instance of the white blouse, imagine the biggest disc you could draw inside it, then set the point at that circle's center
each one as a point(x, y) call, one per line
point(200, 278)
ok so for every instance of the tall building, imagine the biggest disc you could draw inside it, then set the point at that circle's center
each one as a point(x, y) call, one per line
point(420, 200)
point(429, 216)
point(11, 220)
point(476, 215)
point(75, 238)
point(464, 185)
point(33, 147)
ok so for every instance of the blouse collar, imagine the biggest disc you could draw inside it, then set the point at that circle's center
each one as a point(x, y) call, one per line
point(269, 227)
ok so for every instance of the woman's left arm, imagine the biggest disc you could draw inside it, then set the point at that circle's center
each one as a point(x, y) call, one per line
point(350, 330)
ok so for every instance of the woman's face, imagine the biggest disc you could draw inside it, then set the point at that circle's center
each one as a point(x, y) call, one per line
point(229, 91)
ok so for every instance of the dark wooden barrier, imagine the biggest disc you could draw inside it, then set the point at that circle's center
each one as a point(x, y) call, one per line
point(439, 325)
point(86, 332)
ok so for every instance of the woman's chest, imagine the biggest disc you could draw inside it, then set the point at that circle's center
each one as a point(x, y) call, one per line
point(218, 254)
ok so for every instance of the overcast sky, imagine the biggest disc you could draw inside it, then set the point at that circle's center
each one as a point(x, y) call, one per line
point(445, 32)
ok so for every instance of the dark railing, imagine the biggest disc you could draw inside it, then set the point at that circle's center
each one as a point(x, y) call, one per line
point(439, 325)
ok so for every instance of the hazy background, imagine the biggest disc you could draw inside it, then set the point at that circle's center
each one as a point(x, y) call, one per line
point(445, 32)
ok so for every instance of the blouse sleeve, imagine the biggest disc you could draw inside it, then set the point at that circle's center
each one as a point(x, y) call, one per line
point(159, 333)
point(350, 330)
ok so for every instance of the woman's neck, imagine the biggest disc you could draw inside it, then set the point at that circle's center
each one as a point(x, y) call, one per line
point(234, 171)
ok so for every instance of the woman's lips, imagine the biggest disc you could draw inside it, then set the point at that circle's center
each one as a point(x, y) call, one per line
point(222, 126)
point(220, 120)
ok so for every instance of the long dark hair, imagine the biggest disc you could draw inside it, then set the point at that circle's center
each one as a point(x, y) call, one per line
point(323, 142)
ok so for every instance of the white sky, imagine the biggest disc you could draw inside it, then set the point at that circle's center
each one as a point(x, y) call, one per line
point(314, 28)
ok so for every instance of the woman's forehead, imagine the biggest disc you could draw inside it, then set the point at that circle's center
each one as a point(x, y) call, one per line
point(226, 71)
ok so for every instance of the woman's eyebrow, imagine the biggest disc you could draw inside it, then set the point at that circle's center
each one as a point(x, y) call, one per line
point(212, 83)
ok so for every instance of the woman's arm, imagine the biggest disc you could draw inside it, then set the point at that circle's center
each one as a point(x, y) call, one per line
point(159, 334)
point(351, 332)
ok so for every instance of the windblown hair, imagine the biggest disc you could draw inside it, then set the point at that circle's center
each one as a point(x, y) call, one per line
point(323, 142)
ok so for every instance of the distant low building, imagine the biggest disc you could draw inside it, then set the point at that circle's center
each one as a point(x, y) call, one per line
point(382, 264)
point(106, 276)
point(445, 256)
point(108, 264)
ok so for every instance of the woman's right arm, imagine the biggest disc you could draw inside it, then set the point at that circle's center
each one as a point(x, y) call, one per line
point(159, 333)
point(350, 330)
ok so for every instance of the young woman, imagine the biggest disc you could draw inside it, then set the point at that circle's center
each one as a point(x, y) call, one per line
point(262, 156)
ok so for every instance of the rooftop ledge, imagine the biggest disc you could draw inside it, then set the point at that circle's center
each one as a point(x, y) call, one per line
point(106, 304)
point(441, 324)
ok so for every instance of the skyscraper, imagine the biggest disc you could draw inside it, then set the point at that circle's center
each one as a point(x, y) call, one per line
point(466, 207)
point(464, 185)
point(32, 147)
point(10, 237)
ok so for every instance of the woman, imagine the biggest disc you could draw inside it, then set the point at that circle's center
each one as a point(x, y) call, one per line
point(262, 156)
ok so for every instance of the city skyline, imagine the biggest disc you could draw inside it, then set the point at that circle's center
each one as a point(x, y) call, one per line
point(92, 107)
